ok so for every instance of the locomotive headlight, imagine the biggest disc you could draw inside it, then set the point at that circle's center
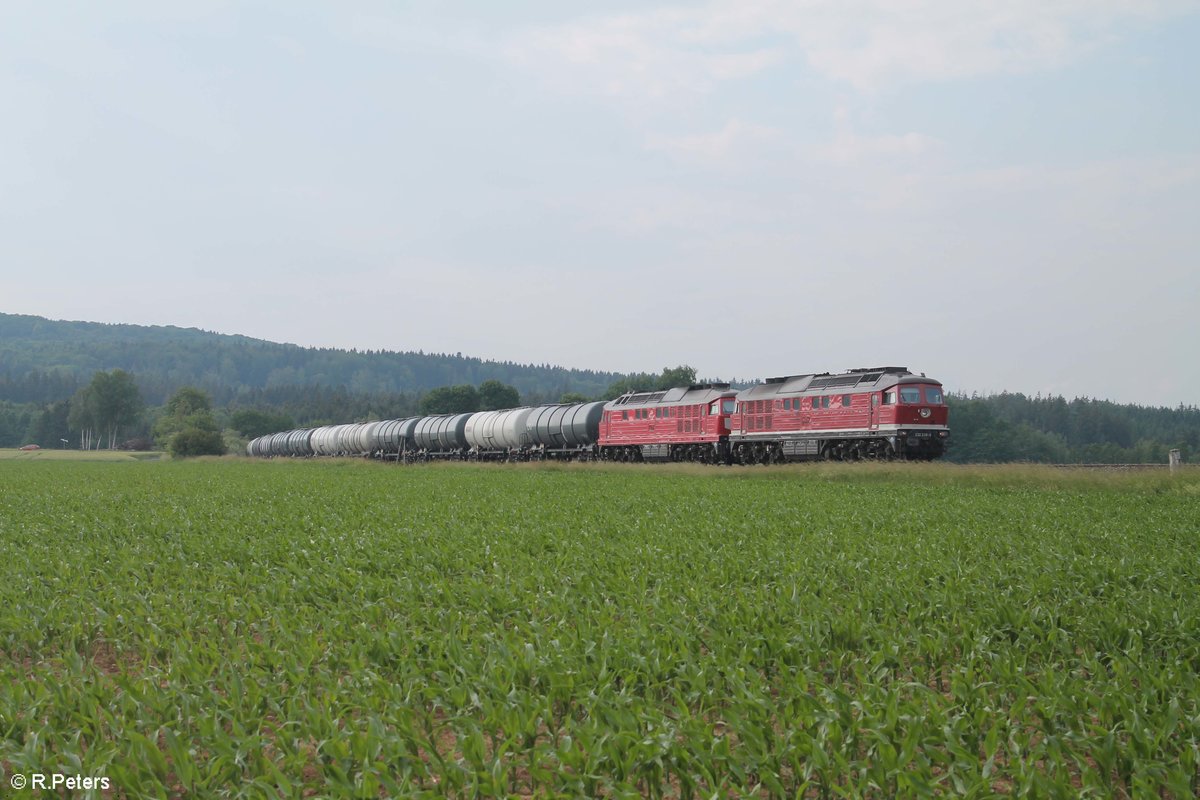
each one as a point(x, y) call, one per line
point(925, 412)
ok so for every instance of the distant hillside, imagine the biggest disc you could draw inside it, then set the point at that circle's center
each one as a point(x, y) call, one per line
point(44, 360)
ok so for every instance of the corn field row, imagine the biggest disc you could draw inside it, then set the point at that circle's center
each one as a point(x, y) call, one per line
point(232, 629)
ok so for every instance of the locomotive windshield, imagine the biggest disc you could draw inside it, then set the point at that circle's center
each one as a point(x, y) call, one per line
point(912, 394)
point(727, 405)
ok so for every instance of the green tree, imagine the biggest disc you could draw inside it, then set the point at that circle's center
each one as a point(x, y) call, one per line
point(188, 400)
point(187, 427)
point(252, 422)
point(51, 426)
point(496, 395)
point(196, 442)
point(683, 375)
point(461, 399)
point(102, 408)
point(671, 377)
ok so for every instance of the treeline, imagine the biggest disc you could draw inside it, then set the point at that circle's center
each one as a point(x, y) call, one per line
point(42, 361)
point(1013, 427)
point(111, 407)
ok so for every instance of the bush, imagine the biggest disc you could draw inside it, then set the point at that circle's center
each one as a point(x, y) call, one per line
point(196, 442)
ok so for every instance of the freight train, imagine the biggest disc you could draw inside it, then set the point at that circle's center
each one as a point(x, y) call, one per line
point(874, 413)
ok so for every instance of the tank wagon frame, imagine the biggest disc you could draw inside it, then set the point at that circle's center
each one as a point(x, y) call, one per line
point(871, 413)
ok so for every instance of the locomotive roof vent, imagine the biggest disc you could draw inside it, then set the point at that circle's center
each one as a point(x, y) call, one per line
point(640, 397)
point(847, 379)
point(786, 378)
point(902, 370)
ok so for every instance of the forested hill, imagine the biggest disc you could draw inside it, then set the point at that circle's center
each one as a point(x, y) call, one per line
point(42, 361)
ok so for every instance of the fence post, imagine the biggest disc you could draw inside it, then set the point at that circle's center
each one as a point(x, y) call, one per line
point(1174, 460)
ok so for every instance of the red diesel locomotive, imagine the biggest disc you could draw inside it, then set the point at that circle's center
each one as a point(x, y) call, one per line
point(876, 413)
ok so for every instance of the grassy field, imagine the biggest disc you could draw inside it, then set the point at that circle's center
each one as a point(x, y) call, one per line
point(14, 454)
point(344, 629)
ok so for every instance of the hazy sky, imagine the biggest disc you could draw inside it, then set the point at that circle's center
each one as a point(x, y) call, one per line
point(1004, 195)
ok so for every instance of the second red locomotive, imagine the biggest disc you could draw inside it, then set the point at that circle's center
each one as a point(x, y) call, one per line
point(877, 413)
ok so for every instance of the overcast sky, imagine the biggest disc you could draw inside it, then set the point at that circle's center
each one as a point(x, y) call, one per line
point(1004, 195)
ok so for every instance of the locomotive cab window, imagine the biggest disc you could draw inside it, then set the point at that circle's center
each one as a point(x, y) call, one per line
point(933, 395)
point(910, 394)
point(727, 405)
point(889, 398)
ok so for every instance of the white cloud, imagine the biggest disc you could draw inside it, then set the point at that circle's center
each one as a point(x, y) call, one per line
point(736, 137)
point(652, 54)
point(849, 146)
point(867, 44)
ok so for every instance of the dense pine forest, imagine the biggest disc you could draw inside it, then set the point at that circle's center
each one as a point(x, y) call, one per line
point(255, 386)
point(43, 360)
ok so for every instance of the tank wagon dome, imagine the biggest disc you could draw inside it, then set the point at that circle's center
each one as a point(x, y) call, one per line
point(275, 444)
point(543, 426)
point(563, 424)
point(389, 436)
point(325, 439)
point(300, 442)
point(357, 438)
point(581, 423)
point(479, 430)
point(502, 429)
point(441, 433)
